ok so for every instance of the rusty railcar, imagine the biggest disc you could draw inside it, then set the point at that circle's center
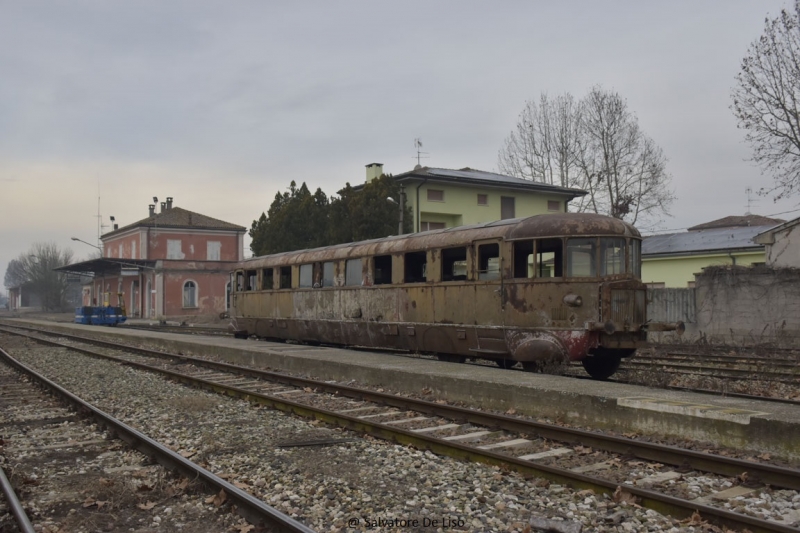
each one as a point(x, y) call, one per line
point(539, 290)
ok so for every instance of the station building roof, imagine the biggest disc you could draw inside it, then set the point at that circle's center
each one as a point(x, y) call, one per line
point(177, 217)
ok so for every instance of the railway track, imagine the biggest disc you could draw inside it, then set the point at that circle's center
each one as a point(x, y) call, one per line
point(598, 462)
point(37, 431)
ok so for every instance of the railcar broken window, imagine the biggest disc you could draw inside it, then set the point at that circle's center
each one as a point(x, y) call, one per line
point(549, 258)
point(383, 269)
point(636, 258)
point(612, 256)
point(327, 274)
point(454, 264)
point(266, 279)
point(489, 262)
point(286, 277)
point(353, 272)
point(252, 280)
point(523, 259)
point(416, 267)
point(306, 276)
point(582, 257)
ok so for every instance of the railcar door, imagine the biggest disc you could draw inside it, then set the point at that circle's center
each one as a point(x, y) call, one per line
point(487, 269)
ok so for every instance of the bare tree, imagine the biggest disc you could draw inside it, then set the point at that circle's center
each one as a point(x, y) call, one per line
point(594, 144)
point(543, 145)
point(36, 268)
point(765, 100)
point(623, 169)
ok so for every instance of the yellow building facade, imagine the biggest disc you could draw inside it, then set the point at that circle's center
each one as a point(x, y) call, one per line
point(672, 260)
point(445, 198)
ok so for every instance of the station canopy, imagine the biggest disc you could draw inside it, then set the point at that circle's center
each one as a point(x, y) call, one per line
point(108, 266)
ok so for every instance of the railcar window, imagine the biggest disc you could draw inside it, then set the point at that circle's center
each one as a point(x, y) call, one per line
point(327, 274)
point(239, 281)
point(454, 264)
point(582, 258)
point(549, 258)
point(252, 280)
point(489, 262)
point(266, 279)
point(416, 267)
point(636, 258)
point(523, 259)
point(353, 272)
point(286, 278)
point(612, 256)
point(383, 270)
point(306, 276)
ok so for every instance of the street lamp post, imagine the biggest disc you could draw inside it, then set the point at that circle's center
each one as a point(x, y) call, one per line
point(90, 244)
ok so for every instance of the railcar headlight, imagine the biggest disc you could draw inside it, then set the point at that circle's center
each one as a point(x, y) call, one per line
point(573, 300)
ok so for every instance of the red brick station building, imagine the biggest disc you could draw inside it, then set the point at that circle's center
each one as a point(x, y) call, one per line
point(174, 264)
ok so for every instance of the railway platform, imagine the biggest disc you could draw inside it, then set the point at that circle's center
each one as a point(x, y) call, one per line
point(745, 424)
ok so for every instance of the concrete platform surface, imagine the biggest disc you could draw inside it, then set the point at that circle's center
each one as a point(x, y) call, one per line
point(759, 426)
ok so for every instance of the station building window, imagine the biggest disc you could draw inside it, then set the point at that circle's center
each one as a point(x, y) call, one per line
point(189, 294)
point(416, 267)
point(483, 199)
point(383, 269)
point(454, 264)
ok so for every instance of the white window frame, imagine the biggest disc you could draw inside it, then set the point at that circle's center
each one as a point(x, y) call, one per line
point(196, 294)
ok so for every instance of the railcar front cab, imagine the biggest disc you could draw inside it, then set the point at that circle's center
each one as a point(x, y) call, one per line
point(598, 280)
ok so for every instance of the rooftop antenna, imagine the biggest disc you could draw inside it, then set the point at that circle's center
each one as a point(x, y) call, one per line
point(100, 225)
point(418, 146)
point(749, 192)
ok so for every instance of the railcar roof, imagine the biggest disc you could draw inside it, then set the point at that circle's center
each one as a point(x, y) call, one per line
point(548, 225)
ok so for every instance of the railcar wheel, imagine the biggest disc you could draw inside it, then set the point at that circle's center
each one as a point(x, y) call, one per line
point(601, 366)
point(505, 363)
point(531, 366)
point(450, 358)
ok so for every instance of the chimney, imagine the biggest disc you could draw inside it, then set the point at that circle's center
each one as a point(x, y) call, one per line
point(169, 202)
point(163, 206)
point(152, 209)
point(374, 170)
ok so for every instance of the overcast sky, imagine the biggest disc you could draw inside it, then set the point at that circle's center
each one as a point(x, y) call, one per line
point(221, 104)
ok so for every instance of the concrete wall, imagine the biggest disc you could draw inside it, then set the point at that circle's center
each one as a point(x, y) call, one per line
point(732, 305)
point(749, 305)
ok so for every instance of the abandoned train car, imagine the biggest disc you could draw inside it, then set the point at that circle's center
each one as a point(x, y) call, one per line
point(544, 289)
